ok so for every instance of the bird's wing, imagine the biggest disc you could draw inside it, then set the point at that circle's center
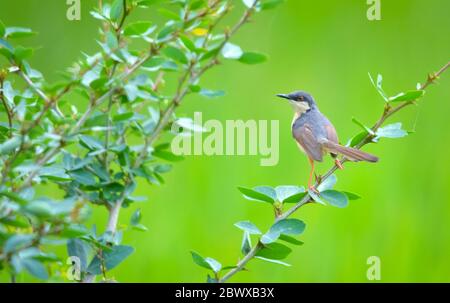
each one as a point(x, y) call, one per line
point(331, 133)
point(305, 137)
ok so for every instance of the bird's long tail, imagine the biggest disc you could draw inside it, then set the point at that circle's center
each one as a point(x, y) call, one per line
point(351, 153)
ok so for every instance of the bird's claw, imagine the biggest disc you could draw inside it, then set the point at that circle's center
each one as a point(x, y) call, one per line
point(338, 164)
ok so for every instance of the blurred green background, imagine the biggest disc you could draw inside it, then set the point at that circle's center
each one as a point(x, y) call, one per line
point(326, 48)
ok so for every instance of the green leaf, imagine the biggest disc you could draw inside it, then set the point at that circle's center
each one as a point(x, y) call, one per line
point(198, 4)
point(316, 197)
point(195, 88)
point(199, 260)
point(123, 117)
point(54, 172)
point(246, 245)
point(367, 129)
point(286, 227)
point(188, 43)
point(408, 96)
point(83, 177)
point(91, 142)
point(140, 227)
point(270, 4)
point(39, 208)
point(351, 196)
point(17, 242)
point(36, 254)
point(210, 53)
point(73, 231)
point(275, 251)
point(98, 15)
point(210, 279)
point(175, 54)
point(154, 62)
point(212, 93)
point(249, 3)
point(10, 145)
point(21, 53)
point(189, 124)
point(253, 58)
point(136, 217)
point(14, 197)
point(289, 193)
point(167, 155)
point(6, 49)
point(335, 198)
point(392, 131)
point(378, 86)
point(214, 264)
point(257, 194)
point(140, 28)
point(16, 222)
point(289, 227)
point(290, 239)
point(35, 268)
point(78, 248)
point(2, 29)
point(98, 84)
point(267, 190)
point(295, 198)
point(111, 41)
point(231, 51)
point(357, 139)
point(273, 261)
point(166, 32)
point(249, 227)
point(328, 183)
point(18, 32)
point(116, 10)
point(111, 259)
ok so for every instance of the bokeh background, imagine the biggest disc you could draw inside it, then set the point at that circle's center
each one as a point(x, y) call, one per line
point(326, 48)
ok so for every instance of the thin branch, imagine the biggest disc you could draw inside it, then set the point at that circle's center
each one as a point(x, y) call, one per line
point(7, 109)
point(368, 138)
point(241, 265)
point(307, 198)
point(113, 218)
point(34, 86)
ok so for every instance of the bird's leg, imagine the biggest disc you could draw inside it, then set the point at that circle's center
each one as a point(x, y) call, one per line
point(338, 163)
point(311, 187)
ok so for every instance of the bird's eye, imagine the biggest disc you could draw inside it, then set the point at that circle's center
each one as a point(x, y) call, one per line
point(301, 98)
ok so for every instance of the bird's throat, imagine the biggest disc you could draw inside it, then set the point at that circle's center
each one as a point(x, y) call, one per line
point(300, 107)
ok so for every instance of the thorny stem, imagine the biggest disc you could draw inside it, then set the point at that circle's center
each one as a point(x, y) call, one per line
point(241, 265)
point(307, 198)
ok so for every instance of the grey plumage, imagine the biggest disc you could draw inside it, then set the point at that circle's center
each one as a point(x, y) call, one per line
point(314, 132)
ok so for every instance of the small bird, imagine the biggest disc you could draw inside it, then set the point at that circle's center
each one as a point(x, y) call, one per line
point(316, 136)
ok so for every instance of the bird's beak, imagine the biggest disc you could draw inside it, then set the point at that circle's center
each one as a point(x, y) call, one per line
point(283, 96)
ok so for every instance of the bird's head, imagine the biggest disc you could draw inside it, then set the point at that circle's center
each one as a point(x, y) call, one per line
point(301, 101)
